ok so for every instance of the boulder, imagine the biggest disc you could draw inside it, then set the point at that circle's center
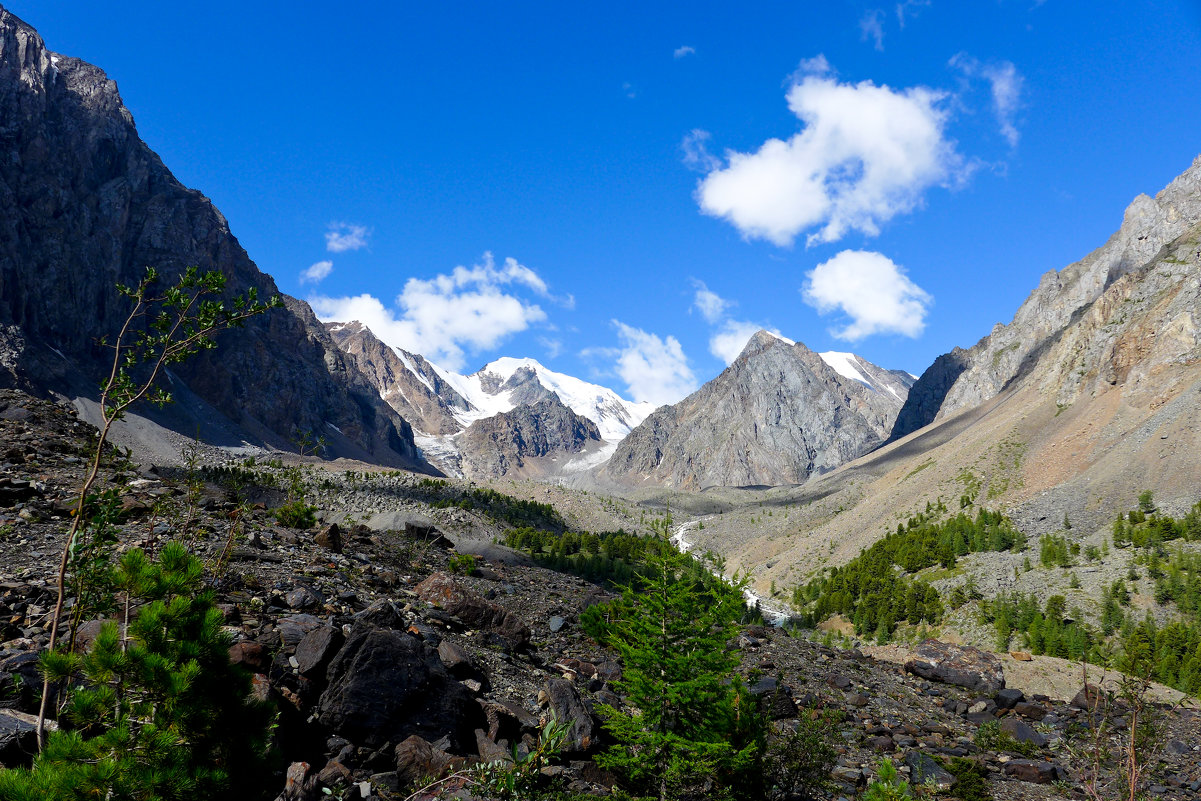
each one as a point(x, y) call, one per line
point(1022, 732)
point(1009, 698)
point(330, 538)
point(444, 592)
point(1034, 771)
point(1089, 698)
point(489, 750)
point(252, 655)
point(417, 759)
point(381, 614)
point(315, 651)
point(961, 665)
point(923, 769)
point(18, 737)
point(1030, 710)
point(507, 720)
point(384, 685)
point(292, 628)
point(563, 700)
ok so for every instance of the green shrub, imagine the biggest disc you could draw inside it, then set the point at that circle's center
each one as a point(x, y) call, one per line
point(297, 514)
point(888, 786)
point(798, 762)
point(971, 780)
point(463, 564)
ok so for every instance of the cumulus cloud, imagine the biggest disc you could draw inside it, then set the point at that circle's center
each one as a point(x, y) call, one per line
point(1005, 84)
point(653, 368)
point(695, 147)
point(711, 305)
point(683, 50)
point(871, 27)
point(865, 154)
point(729, 336)
point(316, 273)
point(728, 341)
point(342, 237)
point(444, 317)
point(871, 291)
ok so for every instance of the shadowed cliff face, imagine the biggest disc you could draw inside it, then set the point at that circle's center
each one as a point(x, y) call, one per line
point(85, 204)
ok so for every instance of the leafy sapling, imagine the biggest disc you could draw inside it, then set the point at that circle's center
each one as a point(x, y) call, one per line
point(162, 329)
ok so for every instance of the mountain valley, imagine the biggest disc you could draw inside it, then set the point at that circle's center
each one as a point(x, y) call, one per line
point(421, 572)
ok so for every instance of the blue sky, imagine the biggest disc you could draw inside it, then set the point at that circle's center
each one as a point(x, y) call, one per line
point(623, 191)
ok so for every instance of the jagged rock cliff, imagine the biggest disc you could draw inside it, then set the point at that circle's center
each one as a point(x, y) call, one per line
point(963, 379)
point(502, 444)
point(778, 414)
point(406, 381)
point(84, 204)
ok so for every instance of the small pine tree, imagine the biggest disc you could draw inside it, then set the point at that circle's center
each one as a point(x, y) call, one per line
point(688, 730)
point(161, 713)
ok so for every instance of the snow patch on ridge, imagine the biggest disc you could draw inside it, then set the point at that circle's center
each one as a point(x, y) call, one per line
point(845, 364)
point(614, 416)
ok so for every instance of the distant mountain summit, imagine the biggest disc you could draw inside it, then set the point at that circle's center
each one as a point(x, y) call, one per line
point(511, 417)
point(778, 414)
point(84, 205)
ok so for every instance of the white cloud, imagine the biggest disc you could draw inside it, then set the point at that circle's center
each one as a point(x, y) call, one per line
point(342, 237)
point(553, 347)
point(629, 89)
point(683, 50)
point(444, 317)
point(732, 337)
point(872, 291)
point(653, 369)
point(316, 273)
point(711, 305)
point(910, 8)
point(865, 154)
point(871, 27)
point(1005, 84)
point(696, 151)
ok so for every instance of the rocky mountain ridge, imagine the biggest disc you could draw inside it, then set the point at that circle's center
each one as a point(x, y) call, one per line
point(85, 204)
point(486, 424)
point(778, 414)
point(963, 379)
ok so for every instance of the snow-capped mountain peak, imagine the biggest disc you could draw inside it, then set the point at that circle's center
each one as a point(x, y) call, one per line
point(504, 384)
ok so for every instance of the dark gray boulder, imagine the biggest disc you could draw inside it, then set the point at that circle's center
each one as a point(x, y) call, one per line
point(386, 686)
point(448, 595)
point(317, 649)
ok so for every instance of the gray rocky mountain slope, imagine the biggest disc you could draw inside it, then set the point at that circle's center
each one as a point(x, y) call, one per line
point(963, 379)
point(777, 415)
point(84, 204)
point(506, 443)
